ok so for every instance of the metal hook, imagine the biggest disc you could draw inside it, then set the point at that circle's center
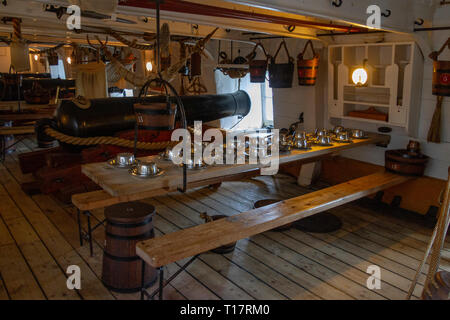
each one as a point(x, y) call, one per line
point(419, 22)
point(337, 3)
point(290, 28)
point(388, 14)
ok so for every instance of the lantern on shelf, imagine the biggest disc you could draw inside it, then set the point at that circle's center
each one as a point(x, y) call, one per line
point(360, 76)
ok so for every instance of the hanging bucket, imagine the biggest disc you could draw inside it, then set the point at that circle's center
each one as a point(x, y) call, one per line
point(441, 73)
point(154, 115)
point(258, 68)
point(281, 74)
point(52, 59)
point(441, 78)
point(307, 68)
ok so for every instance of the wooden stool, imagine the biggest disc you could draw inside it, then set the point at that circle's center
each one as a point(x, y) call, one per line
point(126, 224)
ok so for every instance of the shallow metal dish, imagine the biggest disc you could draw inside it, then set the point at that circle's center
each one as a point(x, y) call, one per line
point(133, 172)
point(359, 134)
point(190, 165)
point(113, 162)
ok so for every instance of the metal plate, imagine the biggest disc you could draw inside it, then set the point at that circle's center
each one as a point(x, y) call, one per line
point(133, 172)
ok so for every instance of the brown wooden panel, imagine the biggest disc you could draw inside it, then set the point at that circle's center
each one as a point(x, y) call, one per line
point(417, 195)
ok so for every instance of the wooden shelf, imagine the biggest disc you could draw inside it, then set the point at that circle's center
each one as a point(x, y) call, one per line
point(361, 119)
point(387, 82)
point(371, 104)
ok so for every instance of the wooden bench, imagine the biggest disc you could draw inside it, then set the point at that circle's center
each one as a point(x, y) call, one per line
point(6, 131)
point(191, 242)
point(86, 202)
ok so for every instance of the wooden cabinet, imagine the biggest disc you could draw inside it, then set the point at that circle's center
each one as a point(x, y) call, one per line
point(393, 87)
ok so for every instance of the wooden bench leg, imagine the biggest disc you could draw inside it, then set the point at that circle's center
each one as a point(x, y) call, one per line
point(80, 231)
point(162, 283)
point(87, 236)
point(3, 148)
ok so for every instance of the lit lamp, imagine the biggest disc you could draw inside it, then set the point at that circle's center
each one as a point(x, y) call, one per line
point(360, 76)
point(149, 66)
point(69, 60)
point(36, 57)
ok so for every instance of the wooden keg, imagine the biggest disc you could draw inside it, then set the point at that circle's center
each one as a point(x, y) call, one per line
point(405, 162)
point(438, 288)
point(441, 78)
point(126, 224)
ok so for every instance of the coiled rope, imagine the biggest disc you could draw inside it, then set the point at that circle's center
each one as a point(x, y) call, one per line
point(107, 140)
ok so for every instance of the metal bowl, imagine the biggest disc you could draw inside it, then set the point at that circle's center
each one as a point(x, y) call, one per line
point(338, 129)
point(358, 134)
point(167, 154)
point(147, 168)
point(343, 136)
point(191, 165)
point(321, 133)
point(302, 144)
point(300, 135)
point(324, 141)
point(123, 160)
point(285, 146)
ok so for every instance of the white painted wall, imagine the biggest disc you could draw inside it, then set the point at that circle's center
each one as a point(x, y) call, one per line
point(439, 153)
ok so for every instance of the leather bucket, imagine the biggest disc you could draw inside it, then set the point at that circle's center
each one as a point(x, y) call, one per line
point(258, 68)
point(307, 68)
point(281, 74)
point(441, 72)
point(441, 78)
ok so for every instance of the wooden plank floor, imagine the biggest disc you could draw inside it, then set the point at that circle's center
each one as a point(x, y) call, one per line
point(39, 240)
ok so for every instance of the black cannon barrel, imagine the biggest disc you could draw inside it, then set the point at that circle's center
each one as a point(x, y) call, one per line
point(105, 117)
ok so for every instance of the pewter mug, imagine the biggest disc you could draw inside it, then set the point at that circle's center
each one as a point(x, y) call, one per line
point(343, 136)
point(124, 159)
point(338, 129)
point(357, 133)
point(147, 168)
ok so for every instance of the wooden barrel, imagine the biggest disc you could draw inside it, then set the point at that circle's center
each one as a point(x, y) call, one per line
point(441, 78)
point(155, 115)
point(404, 162)
point(439, 288)
point(126, 224)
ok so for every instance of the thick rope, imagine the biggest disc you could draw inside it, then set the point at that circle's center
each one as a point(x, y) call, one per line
point(17, 31)
point(107, 140)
